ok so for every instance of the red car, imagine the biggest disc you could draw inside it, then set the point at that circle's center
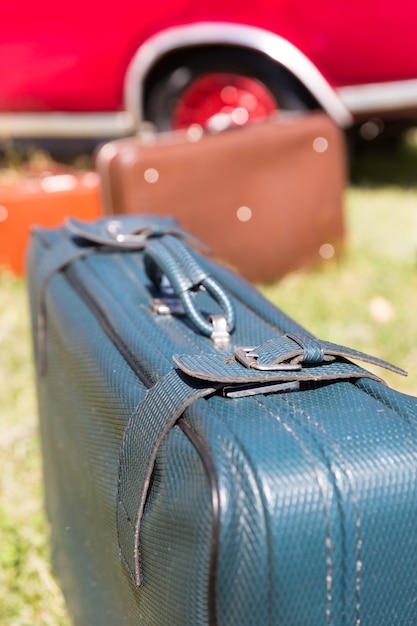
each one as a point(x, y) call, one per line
point(95, 69)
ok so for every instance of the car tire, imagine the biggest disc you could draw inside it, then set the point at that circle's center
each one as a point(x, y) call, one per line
point(173, 77)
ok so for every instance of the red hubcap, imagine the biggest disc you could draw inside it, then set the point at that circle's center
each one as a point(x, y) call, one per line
point(219, 101)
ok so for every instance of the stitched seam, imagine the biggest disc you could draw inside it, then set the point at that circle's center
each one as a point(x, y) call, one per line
point(215, 519)
point(255, 313)
point(126, 311)
point(179, 326)
point(127, 516)
point(329, 543)
point(358, 529)
point(387, 402)
point(354, 500)
point(236, 441)
point(119, 498)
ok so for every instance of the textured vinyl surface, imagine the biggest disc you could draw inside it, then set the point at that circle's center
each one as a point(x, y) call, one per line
point(317, 487)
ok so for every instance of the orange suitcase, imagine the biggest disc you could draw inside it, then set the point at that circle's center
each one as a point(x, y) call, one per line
point(266, 198)
point(43, 201)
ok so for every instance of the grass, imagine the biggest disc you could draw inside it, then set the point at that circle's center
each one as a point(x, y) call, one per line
point(29, 595)
point(366, 299)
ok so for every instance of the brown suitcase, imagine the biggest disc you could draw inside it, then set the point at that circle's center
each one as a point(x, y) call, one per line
point(266, 198)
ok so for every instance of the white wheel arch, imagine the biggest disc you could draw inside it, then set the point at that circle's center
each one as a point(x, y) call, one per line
point(211, 33)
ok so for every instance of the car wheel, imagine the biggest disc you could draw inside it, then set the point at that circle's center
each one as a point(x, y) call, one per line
point(219, 88)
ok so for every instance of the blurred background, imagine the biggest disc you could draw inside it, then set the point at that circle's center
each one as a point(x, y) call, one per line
point(71, 86)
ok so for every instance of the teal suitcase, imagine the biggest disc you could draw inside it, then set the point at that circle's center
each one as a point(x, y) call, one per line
point(208, 461)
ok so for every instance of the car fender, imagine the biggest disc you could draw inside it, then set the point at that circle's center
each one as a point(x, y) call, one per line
point(276, 47)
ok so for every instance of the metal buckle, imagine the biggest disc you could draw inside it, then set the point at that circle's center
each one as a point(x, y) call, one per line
point(242, 391)
point(136, 238)
point(249, 358)
point(167, 306)
point(220, 335)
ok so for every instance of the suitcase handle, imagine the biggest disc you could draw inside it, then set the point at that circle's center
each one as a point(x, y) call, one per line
point(169, 257)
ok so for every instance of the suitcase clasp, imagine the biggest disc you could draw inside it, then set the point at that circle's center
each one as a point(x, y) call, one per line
point(220, 335)
point(249, 358)
point(137, 237)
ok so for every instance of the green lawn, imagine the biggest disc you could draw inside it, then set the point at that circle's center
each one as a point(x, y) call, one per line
point(367, 299)
point(28, 592)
